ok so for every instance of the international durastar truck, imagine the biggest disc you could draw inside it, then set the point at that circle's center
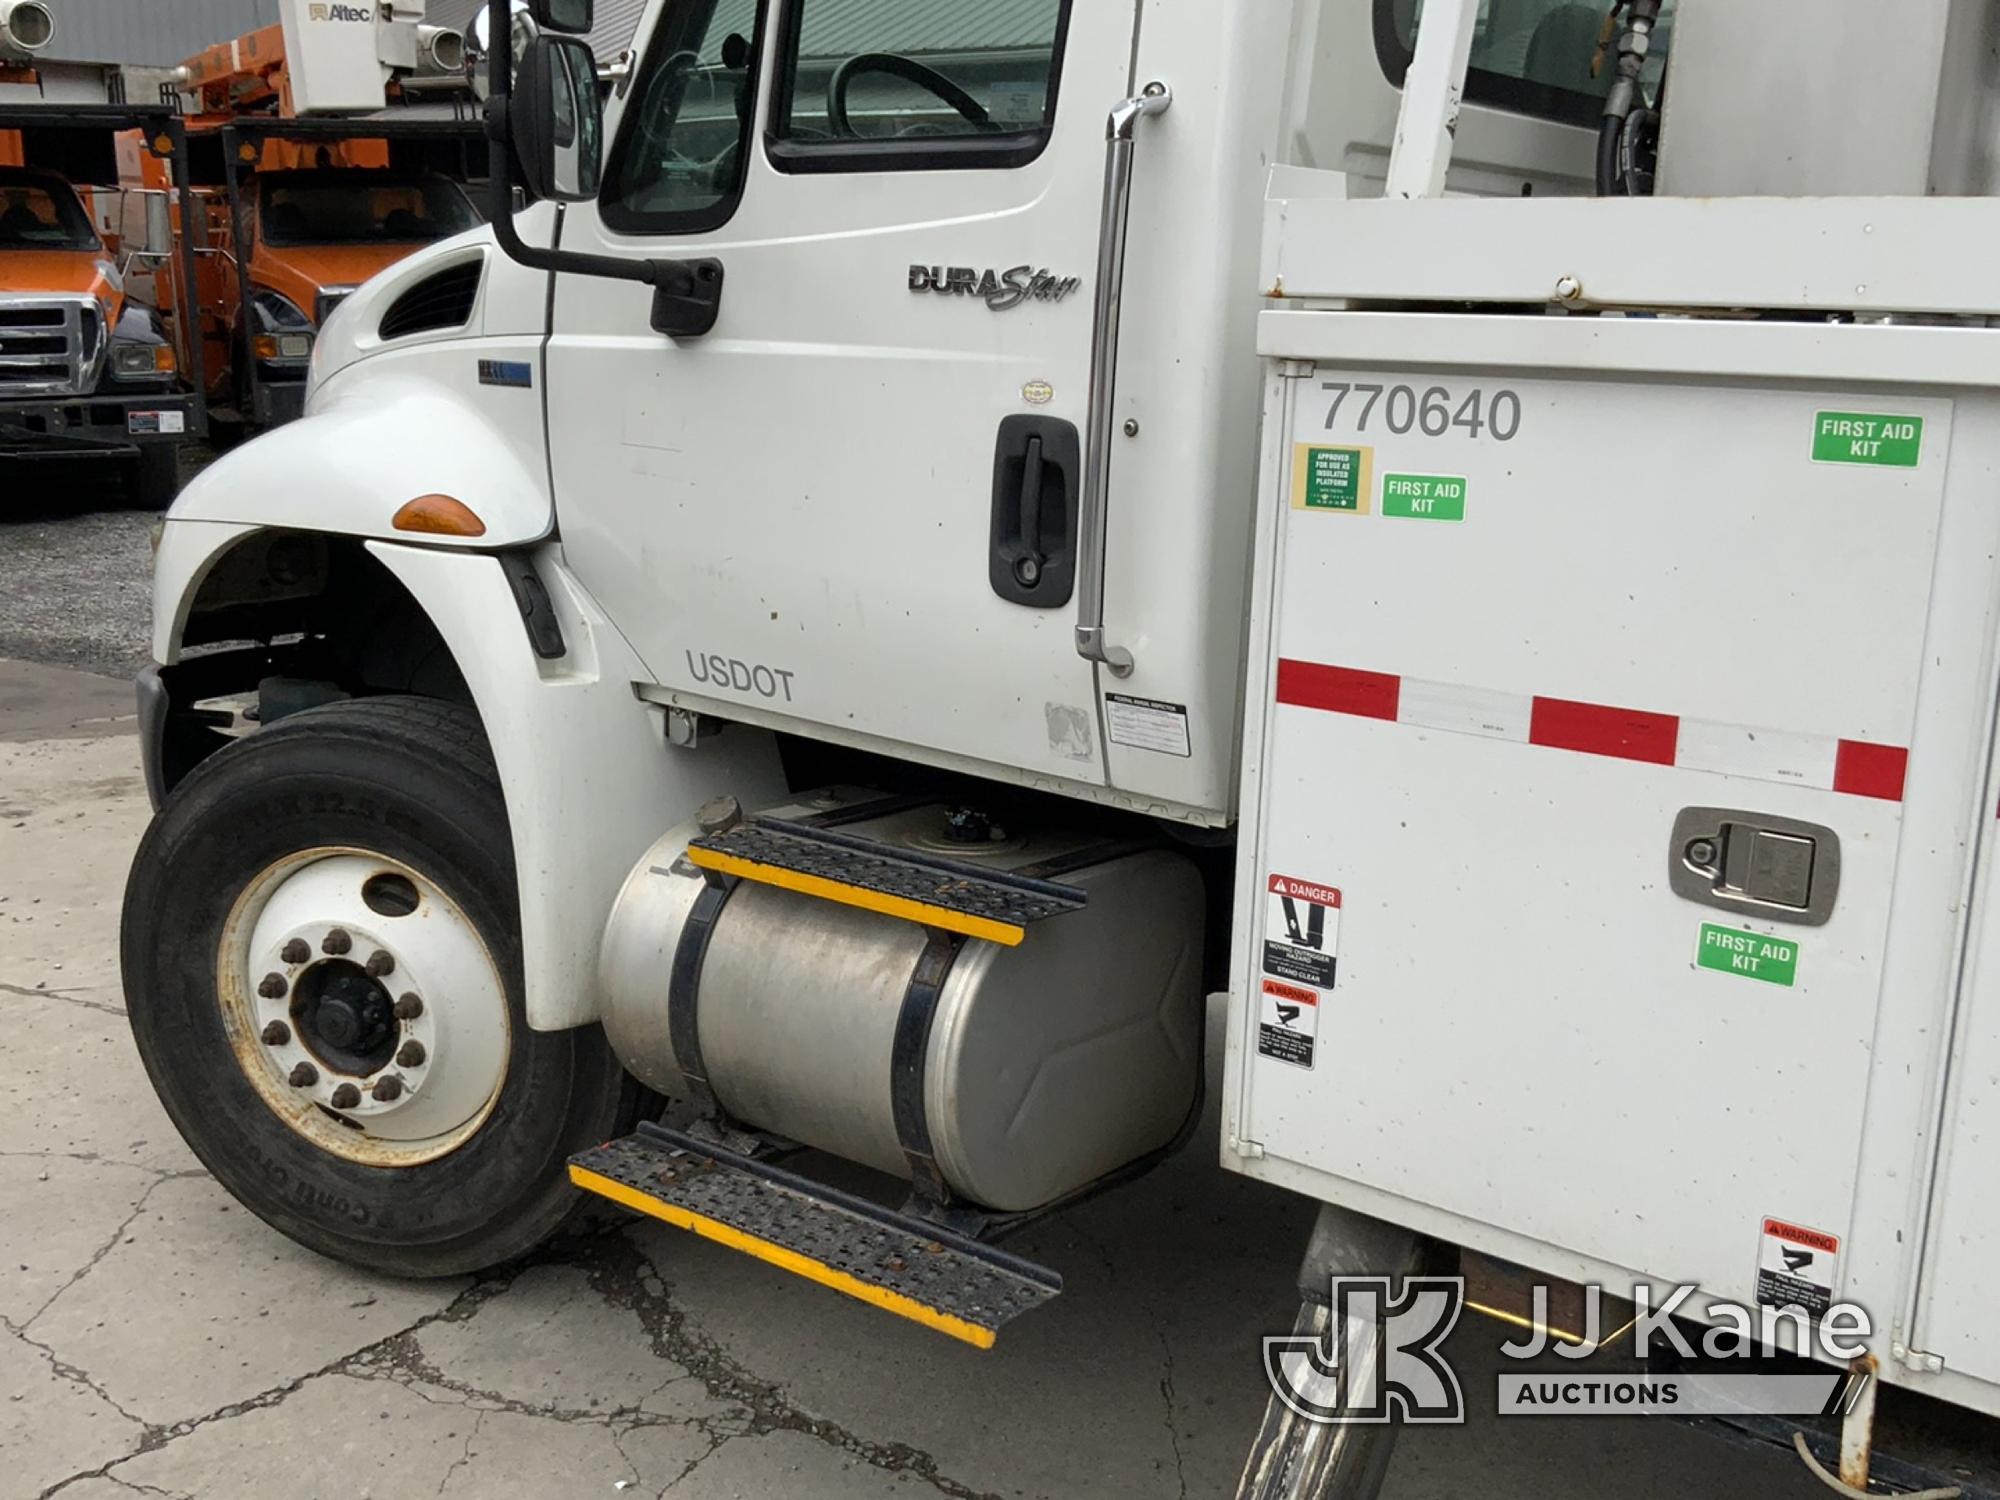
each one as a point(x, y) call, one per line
point(948, 534)
point(96, 365)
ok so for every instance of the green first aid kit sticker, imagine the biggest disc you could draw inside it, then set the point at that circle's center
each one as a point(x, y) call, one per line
point(1424, 497)
point(1751, 954)
point(1855, 437)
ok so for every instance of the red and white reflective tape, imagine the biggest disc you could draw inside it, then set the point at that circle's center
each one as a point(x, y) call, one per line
point(1814, 760)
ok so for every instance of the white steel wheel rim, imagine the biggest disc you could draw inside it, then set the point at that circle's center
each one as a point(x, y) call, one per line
point(282, 945)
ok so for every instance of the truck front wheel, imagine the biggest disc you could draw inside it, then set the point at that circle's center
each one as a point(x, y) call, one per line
point(322, 965)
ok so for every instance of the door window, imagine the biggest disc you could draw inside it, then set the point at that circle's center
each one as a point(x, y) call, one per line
point(881, 85)
point(1530, 56)
point(678, 163)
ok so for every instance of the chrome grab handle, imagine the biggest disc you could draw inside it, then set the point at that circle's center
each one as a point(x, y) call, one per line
point(1094, 519)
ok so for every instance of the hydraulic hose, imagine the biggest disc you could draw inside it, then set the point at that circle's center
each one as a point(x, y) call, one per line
point(1610, 182)
point(1624, 96)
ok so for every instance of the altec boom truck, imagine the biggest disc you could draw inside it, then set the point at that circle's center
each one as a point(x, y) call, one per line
point(878, 593)
point(335, 143)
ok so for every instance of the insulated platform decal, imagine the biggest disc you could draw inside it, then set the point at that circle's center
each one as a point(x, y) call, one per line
point(1288, 1023)
point(1795, 1267)
point(1301, 931)
point(1335, 479)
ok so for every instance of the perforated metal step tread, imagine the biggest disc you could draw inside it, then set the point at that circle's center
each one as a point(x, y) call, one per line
point(931, 889)
point(901, 1264)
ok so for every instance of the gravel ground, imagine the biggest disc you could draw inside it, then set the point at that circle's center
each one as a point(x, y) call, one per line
point(76, 567)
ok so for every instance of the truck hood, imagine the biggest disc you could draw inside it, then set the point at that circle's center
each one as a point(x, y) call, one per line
point(301, 272)
point(56, 271)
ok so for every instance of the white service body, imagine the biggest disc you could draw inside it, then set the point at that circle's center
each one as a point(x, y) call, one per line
point(1520, 602)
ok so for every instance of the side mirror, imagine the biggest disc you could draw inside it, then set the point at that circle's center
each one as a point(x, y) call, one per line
point(557, 118)
point(573, 16)
point(159, 224)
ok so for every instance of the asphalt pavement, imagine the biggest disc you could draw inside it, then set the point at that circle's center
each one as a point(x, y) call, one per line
point(155, 1338)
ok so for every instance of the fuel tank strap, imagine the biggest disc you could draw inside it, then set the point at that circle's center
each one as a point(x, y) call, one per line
point(909, 1056)
point(684, 990)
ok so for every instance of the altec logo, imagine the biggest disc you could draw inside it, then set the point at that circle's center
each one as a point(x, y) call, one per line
point(1825, 762)
point(340, 13)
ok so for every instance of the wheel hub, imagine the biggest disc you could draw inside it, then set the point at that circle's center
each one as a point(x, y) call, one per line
point(344, 1017)
point(334, 992)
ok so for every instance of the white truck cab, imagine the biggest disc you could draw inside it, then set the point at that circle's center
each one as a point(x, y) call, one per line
point(949, 534)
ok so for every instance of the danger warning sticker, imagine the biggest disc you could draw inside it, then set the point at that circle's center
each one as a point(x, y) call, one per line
point(1288, 1023)
point(1301, 931)
point(1795, 1267)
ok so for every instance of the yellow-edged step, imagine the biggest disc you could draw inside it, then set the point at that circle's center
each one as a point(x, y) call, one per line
point(1007, 934)
point(784, 1259)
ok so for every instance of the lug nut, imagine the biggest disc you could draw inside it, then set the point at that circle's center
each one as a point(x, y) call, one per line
point(277, 1034)
point(380, 963)
point(387, 1090)
point(304, 1076)
point(408, 1007)
point(336, 942)
point(297, 951)
point(272, 987)
point(412, 1054)
point(346, 1096)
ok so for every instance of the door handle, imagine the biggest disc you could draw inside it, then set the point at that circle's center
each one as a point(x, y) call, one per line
point(1037, 468)
point(1756, 863)
point(1125, 117)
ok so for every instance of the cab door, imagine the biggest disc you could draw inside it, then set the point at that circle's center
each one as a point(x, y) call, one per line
point(852, 505)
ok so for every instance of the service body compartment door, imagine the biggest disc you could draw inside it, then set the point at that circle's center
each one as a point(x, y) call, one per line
point(1538, 639)
point(1958, 1314)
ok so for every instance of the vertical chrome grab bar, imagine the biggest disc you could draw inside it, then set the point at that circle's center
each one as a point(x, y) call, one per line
point(1093, 521)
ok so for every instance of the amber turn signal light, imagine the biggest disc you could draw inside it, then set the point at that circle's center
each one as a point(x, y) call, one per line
point(439, 515)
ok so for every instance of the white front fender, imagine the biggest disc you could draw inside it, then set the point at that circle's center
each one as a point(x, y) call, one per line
point(379, 436)
point(589, 778)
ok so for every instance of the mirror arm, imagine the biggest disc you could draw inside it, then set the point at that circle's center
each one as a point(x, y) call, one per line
point(500, 210)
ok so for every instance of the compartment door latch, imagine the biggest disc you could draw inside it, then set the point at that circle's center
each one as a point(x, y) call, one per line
point(1759, 864)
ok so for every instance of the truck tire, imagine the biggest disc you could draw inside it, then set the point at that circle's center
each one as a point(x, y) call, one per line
point(153, 478)
point(322, 965)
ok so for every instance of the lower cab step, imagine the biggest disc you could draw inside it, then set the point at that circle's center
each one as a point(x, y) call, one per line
point(905, 1265)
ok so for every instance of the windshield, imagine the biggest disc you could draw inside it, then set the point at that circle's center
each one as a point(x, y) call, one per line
point(355, 208)
point(43, 216)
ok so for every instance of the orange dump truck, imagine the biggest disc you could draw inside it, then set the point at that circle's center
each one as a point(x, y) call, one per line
point(97, 363)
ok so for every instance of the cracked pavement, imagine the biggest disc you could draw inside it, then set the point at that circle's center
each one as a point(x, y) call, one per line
point(157, 1339)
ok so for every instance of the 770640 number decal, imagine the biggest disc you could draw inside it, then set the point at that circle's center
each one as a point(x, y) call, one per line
point(1433, 411)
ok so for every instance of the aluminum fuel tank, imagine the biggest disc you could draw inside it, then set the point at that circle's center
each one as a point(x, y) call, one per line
point(1048, 1065)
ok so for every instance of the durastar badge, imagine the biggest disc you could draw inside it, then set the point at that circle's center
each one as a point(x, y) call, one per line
point(999, 289)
